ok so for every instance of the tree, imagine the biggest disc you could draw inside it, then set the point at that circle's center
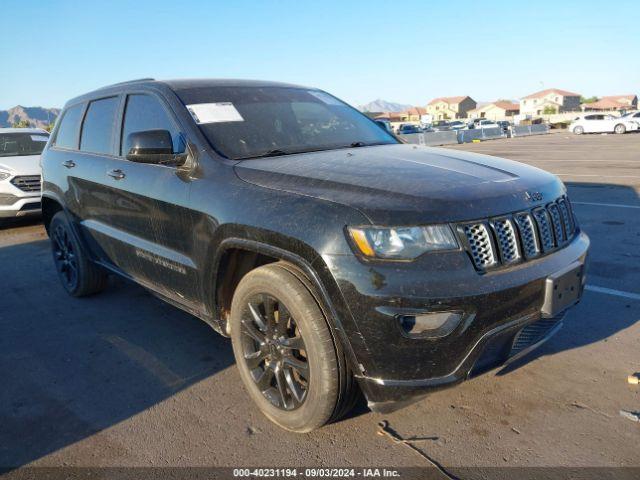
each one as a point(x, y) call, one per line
point(588, 99)
point(49, 127)
point(21, 124)
point(549, 110)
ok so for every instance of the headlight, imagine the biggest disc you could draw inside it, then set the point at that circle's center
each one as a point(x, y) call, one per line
point(4, 175)
point(402, 242)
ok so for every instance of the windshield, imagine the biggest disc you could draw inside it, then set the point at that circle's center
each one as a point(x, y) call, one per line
point(250, 122)
point(19, 143)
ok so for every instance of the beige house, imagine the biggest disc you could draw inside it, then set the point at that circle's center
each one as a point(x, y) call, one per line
point(612, 103)
point(500, 110)
point(552, 100)
point(412, 115)
point(446, 108)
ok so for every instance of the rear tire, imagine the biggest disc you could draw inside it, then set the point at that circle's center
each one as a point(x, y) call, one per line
point(620, 129)
point(578, 130)
point(273, 299)
point(78, 275)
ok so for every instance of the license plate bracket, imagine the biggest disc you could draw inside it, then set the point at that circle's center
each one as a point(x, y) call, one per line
point(563, 289)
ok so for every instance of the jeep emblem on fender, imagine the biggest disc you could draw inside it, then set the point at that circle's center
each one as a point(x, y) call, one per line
point(533, 196)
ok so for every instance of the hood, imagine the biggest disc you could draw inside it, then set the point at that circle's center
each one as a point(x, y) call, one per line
point(408, 184)
point(21, 165)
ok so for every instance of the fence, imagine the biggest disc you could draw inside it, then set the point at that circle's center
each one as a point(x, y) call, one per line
point(431, 138)
point(452, 137)
point(466, 136)
point(523, 130)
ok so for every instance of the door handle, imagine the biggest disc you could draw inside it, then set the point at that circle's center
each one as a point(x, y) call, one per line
point(116, 174)
point(69, 164)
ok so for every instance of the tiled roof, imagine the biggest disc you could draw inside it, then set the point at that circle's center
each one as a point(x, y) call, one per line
point(607, 103)
point(543, 93)
point(416, 111)
point(507, 105)
point(502, 105)
point(620, 98)
point(449, 100)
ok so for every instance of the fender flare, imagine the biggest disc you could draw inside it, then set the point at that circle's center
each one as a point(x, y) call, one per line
point(307, 274)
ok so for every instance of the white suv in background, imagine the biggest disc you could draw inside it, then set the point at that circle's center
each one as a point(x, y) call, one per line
point(20, 174)
point(602, 123)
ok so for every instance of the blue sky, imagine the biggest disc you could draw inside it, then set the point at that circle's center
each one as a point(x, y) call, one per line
point(407, 51)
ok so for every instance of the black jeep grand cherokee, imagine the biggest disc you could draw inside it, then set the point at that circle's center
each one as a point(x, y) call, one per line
point(336, 258)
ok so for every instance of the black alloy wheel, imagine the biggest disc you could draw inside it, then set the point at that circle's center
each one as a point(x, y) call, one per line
point(78, 275)
point(65, 257)
point(274, 352)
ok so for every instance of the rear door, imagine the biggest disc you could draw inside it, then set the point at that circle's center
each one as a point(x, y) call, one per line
point(76, 163)
point(87, 173)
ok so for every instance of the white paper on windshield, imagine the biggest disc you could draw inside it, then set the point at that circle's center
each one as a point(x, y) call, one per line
point(325, 98)
point(39, 138)
point(214, 112)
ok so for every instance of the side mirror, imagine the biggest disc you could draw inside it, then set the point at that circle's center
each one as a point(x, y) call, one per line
point(151, 146)
point(383, 125)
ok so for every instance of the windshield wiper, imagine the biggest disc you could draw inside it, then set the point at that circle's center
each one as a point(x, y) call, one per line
point(276, 152)
point(365, 144)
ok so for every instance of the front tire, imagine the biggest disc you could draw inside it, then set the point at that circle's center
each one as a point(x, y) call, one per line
point(78, 275)
point(284, 349)
point(620, 129)
point(578, 130)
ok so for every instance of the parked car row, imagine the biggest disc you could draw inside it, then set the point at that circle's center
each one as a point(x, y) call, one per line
point(451, 125)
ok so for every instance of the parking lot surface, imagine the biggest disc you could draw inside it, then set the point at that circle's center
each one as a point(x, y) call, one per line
point(122, 379)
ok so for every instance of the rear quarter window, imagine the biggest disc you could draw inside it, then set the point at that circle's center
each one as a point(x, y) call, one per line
point(67, 135)
point(98, 126)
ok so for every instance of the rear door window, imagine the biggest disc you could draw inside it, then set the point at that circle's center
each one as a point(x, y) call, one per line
point(67, 136)
point(98, 126)
point(145, 112)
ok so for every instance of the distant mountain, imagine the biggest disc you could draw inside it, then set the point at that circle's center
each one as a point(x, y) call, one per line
point(36, 116)
point(380, 105)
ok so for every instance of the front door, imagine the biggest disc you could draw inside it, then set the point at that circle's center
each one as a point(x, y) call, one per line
point(150, 224)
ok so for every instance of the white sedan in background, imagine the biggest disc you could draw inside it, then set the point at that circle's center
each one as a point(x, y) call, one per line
point(603, 123)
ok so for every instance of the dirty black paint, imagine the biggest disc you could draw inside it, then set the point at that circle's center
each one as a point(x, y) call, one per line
point(168, 227)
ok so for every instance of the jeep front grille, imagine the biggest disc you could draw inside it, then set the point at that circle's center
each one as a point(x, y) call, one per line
point(528, 235)
point(519, 236)
point(544, 228)
point(480, 245)
point(507, 241)
point(567, 218)
point(27, 183)
point(558, 231)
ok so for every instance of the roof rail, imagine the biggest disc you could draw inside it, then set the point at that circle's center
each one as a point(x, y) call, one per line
point(149, 79)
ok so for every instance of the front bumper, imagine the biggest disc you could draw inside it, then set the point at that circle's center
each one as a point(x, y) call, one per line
point(497, 306)
point(18, 198)
point(20, 206)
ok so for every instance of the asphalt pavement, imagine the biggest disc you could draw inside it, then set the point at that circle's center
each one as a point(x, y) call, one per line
point(122, 379)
